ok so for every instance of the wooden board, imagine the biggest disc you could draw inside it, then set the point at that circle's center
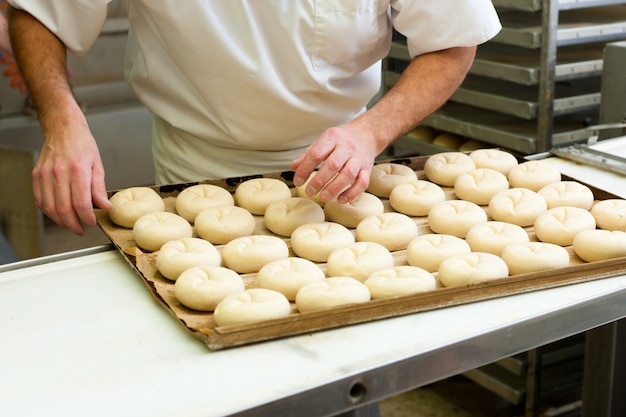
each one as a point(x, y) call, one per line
point(202, 324)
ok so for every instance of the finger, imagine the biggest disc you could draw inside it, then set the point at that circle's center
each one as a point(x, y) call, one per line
point(81, 199)
point(98, 190)
point(357, 189)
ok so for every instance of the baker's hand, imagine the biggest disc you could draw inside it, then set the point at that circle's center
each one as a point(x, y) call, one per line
point(346, 154)
point(68, 179)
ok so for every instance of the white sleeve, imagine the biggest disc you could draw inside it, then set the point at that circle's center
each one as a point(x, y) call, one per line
point(432, 25)
point(77, 23)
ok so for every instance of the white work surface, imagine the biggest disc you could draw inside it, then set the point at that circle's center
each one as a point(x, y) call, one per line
point(80, 335)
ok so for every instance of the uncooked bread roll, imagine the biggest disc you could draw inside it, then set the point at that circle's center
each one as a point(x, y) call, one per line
point(428, 251)
point(567, 193)
point(248, 254)
point(288, 275)
point(560, 225)
point(152, 230)
point(599, 245)
point(494, 236)
point(400, 280)
point(524, 258)
point(256, 194)
point(416, 198)
point(519, 206)
point(443, 168)
point(192, 200)
point(479, 185)
point(455, 217)
point(220, 225)
point(251, 305)
point(315, 241)
point(610, 214)
point(392, 230)
point(203, 287)
point(497, 159)
point(385, 176)
point(176, 256)
point(331, 292)
point(132, 203)
point(358, 260)
point(471, 268)
point(350, 214)
point(284, 216)
point(533, 175)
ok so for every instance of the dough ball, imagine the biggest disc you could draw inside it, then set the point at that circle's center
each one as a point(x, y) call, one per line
point(416, 198)
point(385, 176)
point(560, 225)
point(358, 260)
point(598, 244)
point(249, 253)
point(610, 214)
point(400, 280)
point(331, 292)
point(567, 193)
point(472, 145)
point(152, 230)
point(256, 194)
point(176, 256)
point(288, 275)
point(494, 236)
point(220, 225)
point(315, 241)
point(422, 133)
point(471, 268)
point(443, 168)
point(284, 216)
point(519, 206)
point(496, 159)
point(533, 175)
point(392, 230)
point(350, 214)
point(527, 257)
point(455, 217)
point(428, 251)
point(479, 185)
point(251, 305)
point(132, 203)
point(203, 287)
point(192, 200)
point(448, 140)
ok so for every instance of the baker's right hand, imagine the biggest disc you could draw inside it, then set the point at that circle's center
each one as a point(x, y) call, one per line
point(68, 178)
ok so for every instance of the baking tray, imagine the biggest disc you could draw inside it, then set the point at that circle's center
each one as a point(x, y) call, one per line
point(202, 324)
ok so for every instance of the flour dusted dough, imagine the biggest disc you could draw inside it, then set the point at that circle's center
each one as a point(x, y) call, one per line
point(567, 193)
point(523, 258)
point(599, 245)
point(248, 254)
point(288, 275)
point(497, 159)
point(203, 287)
point(385, 176)
point(494, 236)
point(251, 305)
point(284, 216)
point(315, 241)
point(559, 225)
point(220, 225)
point(192, 200)
point(455, 217)
point(331, 292)
point(256, 194)
point(610, 214)
point(132, 203)
point(392, 230)
point(443, 168)
point(176, 256)
point(400, 280)
point(358, 260)
point(416, 198)
point(152, 230)
point(428, 251)
point(533, 175)
point(471, 268)
point(479, 185)
point(350, 214)
point(519, 206)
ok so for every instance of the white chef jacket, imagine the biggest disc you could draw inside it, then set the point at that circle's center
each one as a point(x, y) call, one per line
point(242, 87)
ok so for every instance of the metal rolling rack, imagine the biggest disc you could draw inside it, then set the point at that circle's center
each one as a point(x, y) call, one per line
point(536, 85)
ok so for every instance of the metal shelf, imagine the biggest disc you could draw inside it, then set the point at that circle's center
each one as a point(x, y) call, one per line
point(536, 5)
